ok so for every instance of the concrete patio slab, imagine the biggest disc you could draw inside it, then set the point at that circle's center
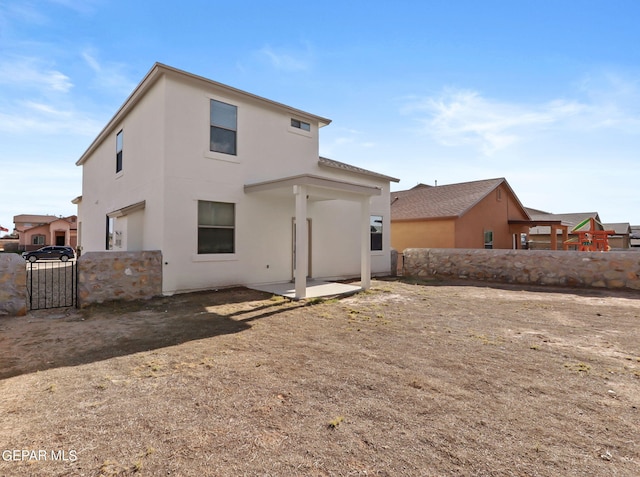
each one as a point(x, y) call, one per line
point(315, 289)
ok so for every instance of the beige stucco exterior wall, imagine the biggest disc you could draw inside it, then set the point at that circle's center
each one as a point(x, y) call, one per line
point(104, 191)
point(619, 241)
point(423, 234)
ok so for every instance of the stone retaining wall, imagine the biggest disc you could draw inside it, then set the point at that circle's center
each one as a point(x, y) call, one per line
point(527, 267)
point(106, 276)
point(13, 285)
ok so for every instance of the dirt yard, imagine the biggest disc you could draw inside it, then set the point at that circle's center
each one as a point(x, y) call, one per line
point(431, 379)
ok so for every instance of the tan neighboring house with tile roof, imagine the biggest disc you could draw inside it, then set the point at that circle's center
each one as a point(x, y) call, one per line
point(36, 231)
point(477, 214)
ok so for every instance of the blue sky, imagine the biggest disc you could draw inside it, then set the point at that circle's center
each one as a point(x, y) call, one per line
point(545, 93)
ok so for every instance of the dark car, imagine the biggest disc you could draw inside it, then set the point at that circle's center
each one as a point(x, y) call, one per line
point(53, 252)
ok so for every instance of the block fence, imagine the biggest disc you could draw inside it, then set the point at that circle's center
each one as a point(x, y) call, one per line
point(107, 276)
point(102, 276)
point(527, 267)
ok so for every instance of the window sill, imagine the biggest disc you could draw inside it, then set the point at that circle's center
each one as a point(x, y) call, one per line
point(119, 174)
point(214, 257)
point(218, 156)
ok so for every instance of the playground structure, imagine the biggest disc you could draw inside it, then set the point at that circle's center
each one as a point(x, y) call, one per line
point(591, 240)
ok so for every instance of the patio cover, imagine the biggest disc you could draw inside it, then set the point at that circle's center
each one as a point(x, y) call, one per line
point(305, 187)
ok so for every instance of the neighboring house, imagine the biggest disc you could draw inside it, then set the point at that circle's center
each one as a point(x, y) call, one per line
point(622, 237)
point(231, 188)
point(26, 221)
point(634, 238)
point(540, 237)
point(36, 231)
point(478, 214)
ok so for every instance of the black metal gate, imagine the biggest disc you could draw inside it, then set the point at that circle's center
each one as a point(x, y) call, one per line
point(52, 284)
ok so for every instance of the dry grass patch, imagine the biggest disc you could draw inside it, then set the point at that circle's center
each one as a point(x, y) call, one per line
point(406, 379)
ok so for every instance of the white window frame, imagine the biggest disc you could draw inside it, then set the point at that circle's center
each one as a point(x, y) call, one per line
point(488, 244)
point(216, 226)
point(375, 218)
point(212, 125)
point(119, 151)
point(299, 130)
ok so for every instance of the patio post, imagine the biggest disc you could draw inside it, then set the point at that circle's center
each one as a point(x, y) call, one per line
point(365, 243)
point(302, 241)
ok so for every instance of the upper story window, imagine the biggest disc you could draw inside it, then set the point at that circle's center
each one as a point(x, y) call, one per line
point(300, 125)
point(119, 151)
point(224, 127)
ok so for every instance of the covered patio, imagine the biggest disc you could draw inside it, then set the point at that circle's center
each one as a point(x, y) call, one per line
point(554, 227)
point(306, 188)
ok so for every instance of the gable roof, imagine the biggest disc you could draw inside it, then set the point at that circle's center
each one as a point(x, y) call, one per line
point(155, 73)
point(72, 220)
point(570, 219)
point(325, 161)
point(34, 219)
point(443, 201)
point(620, 228)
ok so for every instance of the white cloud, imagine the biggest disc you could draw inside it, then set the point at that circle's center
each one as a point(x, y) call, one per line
point(615, 101)
point(109, 76)
point(35, 118)
point(345, 141)
point(29, 72)
point(21, 12)
point(462, 117)
point(459, 117)
point(286, 61)
point(80, 6)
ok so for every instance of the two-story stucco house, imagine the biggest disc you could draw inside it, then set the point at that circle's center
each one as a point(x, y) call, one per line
point(231, 188)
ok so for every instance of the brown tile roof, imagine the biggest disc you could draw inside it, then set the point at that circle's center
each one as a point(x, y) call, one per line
point(452, 200)
point(621, 228)
point(325, 161)
point(39, 219)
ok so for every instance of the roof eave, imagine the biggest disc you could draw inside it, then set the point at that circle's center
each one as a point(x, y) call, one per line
point(424, 219)
point(343, 166)
point(149, 80)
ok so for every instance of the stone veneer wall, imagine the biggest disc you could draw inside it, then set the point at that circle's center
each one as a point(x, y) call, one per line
point(13, 285)
point(106, 276)
point(527, 267)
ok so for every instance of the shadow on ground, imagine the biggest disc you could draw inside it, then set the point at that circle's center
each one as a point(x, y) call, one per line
point(68, 337)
